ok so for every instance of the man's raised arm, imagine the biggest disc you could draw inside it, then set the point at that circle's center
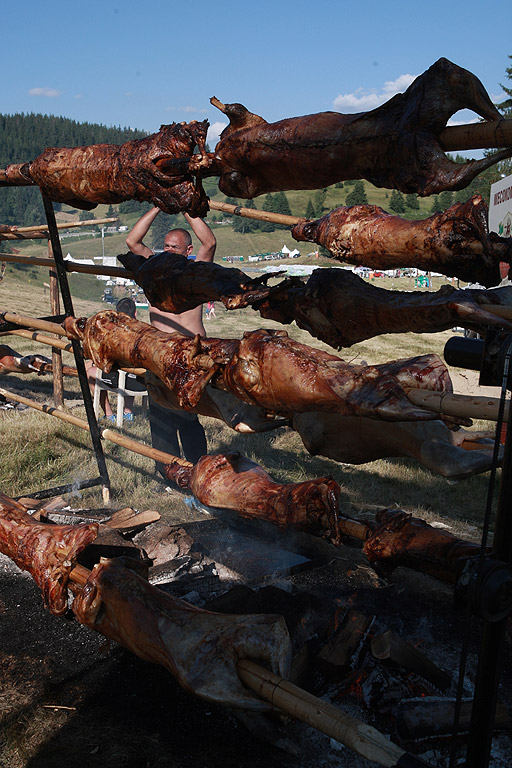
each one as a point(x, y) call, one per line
point(135, 239)
point(205, 236)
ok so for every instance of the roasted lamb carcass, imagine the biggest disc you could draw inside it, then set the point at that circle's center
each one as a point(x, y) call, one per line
point(46, 551)
point(232, 481)
point(399, 539)
point(12, 362)
point(356, 440)
point(342, 309)
point(199, 648)
point(108, 173)
point(396, 145)
point(456, 242)
point(176, 284)
point(264, 368)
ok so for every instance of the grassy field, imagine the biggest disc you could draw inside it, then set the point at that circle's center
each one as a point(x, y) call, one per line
point(40, 451)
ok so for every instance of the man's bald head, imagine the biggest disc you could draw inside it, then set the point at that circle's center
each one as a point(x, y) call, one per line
point(178, 241)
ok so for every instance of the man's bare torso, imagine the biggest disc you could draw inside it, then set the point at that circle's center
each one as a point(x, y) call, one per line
point(189, 323)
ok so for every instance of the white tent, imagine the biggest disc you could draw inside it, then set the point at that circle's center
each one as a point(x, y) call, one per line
point(294, 253)
point(286, 250)
point(69, 257)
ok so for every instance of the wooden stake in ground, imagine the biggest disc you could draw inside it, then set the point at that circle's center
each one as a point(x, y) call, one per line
point(58, 380)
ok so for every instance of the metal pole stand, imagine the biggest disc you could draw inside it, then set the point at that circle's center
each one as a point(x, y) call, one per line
point(62, 277)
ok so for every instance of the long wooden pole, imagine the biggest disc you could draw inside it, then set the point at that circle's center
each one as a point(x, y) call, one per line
point(255, 213)
point(71, 266)
point(358, 736)
point(39, 231)
point(485, 135)
point(106, 434)
point(469, 406)
point(58, 379)
point(66, 346)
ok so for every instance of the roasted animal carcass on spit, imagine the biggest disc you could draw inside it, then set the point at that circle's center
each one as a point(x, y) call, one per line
point(342, 309)
point(233, 481)
point(395, 146)
point(456, 242)
point(198, 647)
point(176, 284)
point(47, 552)
point(107, 173)
point(354, 439)
point(264, 368)
point(12, 362)
point(399, 539)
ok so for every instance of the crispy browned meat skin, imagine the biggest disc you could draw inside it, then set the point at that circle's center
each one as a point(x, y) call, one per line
point(340, 308)
point(264, 368)
point(46, 551)
point(107, 173)
point(394, 146)
point(400, 539)
point(233, 481)
point(455, 242)
point(272, 370)
point(12, 362)
point(199, 648)
point(176, 284)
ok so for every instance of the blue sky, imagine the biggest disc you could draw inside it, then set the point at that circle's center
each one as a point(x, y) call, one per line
point(141, 65)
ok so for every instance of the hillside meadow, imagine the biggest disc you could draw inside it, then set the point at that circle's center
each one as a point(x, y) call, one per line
point(40, 452)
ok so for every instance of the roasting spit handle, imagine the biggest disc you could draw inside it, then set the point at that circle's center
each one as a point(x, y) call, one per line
point(358, 736)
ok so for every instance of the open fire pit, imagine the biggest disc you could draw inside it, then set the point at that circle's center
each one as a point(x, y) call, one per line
point(384, 651)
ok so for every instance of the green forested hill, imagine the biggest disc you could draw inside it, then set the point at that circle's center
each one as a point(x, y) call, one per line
point(23, 137)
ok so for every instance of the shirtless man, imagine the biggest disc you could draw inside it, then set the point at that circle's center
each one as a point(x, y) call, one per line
point(166, 424)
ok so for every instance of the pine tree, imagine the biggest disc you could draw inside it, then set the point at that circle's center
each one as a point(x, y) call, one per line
point(397, 202)
point(268, 205)
point(318, 202)
point(412, 202)
point(436, 205)
point(445, 199)
point(310, 211)
point(281, 206)
point(358, 195)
